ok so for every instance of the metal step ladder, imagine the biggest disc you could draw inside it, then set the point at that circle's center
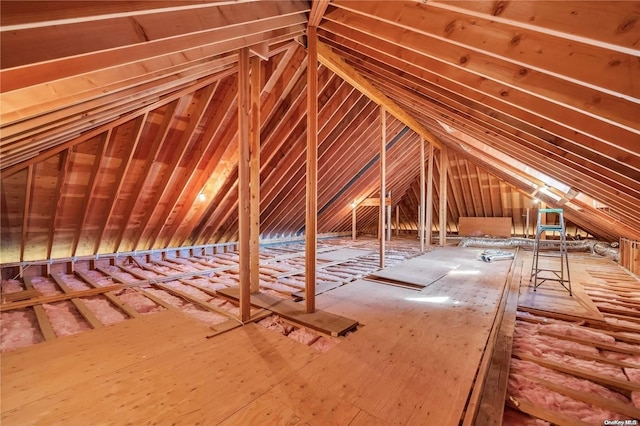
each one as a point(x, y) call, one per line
point(550, 270)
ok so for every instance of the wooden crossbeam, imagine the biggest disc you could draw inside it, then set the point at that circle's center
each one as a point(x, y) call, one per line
point(43, 321)
point(337, 64)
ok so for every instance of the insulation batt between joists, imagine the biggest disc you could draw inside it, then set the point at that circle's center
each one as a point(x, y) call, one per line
point(524, 375)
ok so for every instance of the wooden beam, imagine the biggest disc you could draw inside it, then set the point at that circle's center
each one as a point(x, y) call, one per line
point(311, 226)
point(337, 64)
point(354, 231)
point(389, 220)
point(444, 165)
point(244, 200)
point(254, 185)
point(31, 173)
point(383, 179)
point(429, 202)
point(261, 50)
point(421, 225)
point(254, 164)
point(374, 202)
point(318, 7)
point(41, 316)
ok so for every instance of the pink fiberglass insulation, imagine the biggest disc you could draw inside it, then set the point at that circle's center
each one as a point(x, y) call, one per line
point(19, 328)
point(635, 398)
point(198, 294)
point(201, 314)
point(323, 344)
point(625, 345)
point(65, 318)
point(144, 272)
point(613, 306)
point(632, 359)
point(211, 285)
point(104, 311)
point(275, 294)
point(520, 387)
point(328, 277)
point(633, 374)
point(269, 271)
point(226, 262)
point(266, 277)
point(340, 274)
point(279, 268)
point(167, 297)
point(302, 335)
point(227, 278)
point(226, 306)
point(74, 283)
point(230, 255)
point(45, 286)
point(138, 301)
point(587, 365)
point(526, 340)
point(513, 417)
point(99, 278)
point(11, 286)
point(580, 332)
point(117, 272)
point(275, 323)
point(279, 287)
point(617, 321)
point(293, 282)
point(530, 369)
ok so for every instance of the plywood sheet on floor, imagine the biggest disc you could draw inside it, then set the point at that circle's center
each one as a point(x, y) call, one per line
point(550, 296)
point(421, 270)
point(343, 254)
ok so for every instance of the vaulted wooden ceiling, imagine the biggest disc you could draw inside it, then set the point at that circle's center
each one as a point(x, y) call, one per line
point(119, 119)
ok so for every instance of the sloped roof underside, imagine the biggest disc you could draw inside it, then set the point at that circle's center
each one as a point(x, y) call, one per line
point(119, 119)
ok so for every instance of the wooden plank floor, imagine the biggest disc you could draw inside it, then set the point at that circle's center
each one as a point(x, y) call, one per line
point(413, 362)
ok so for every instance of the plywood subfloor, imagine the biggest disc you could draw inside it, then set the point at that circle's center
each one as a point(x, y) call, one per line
point(418, 271)
point(552, 297)
point(413, 362)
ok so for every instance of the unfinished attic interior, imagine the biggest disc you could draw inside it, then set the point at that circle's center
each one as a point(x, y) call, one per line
point(320, 212)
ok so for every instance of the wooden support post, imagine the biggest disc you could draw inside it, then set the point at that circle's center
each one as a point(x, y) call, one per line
point(383, 180)
point(389, 219)
point(421, 224)
point(397, 219)
point(354, 231)
point(312, 170)
point(429, 202)
point(244, 196)
point(444, 165)
point(526, 234)
point(254, 165)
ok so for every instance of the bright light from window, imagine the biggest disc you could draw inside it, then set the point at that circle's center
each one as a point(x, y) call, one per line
point(201, 197)
point(431, 299)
